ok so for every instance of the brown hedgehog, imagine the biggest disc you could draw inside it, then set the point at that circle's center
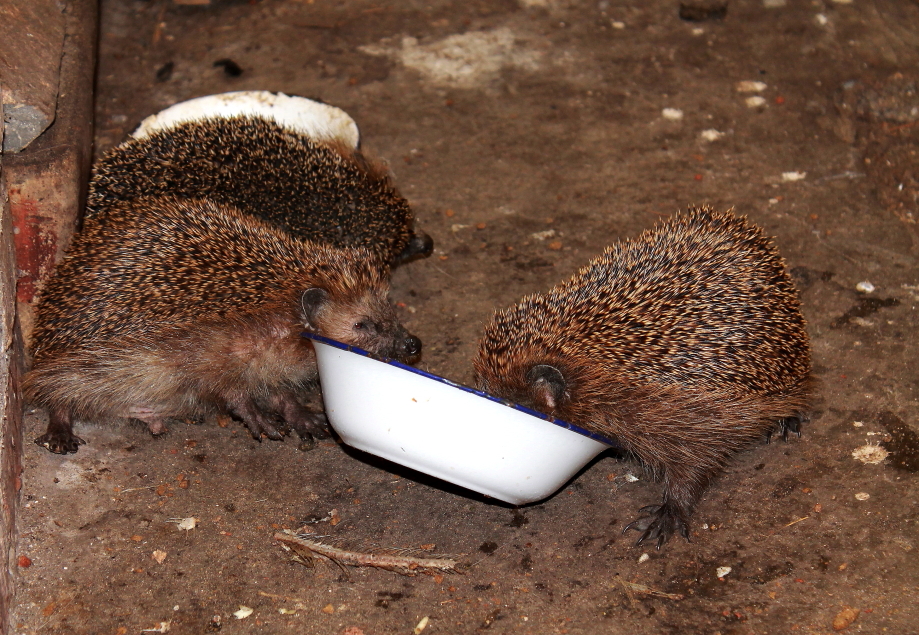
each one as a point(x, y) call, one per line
point(684, 345)
point(320, 191)
point(168, 308)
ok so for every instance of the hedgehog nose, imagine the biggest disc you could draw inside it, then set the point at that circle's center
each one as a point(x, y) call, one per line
point(411, 346)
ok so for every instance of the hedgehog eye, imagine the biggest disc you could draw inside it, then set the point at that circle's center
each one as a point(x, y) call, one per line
point(364, 326)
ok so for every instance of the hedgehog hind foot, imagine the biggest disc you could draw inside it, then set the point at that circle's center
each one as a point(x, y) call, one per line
point(659, 522)
point(59, 437)
point(787, 425)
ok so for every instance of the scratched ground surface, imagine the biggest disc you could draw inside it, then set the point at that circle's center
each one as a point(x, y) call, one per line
point(528, 136)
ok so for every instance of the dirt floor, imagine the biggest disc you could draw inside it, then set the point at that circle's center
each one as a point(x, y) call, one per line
point(528, 136)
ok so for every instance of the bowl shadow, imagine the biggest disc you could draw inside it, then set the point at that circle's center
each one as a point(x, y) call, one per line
point(457, 490)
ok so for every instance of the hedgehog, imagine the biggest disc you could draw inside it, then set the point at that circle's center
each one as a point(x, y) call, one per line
point(168, 308)
point(316, 186)
point(684, 346)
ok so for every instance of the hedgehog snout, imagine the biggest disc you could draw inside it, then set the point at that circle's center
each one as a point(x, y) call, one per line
point(411, 347)
point(419, 246)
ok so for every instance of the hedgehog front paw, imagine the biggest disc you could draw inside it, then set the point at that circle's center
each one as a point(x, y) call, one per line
point(309, 424)
point(257, 423)
point(659, 522)
point(60, 442)
point(305, 422)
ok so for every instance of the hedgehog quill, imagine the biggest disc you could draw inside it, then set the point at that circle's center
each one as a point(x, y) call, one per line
point(170, 308)
point(685, 345)
point(321, 191)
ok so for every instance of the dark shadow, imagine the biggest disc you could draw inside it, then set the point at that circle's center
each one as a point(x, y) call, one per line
point(445, 486)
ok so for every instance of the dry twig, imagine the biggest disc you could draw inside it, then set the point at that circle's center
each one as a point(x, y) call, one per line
point(307, 547)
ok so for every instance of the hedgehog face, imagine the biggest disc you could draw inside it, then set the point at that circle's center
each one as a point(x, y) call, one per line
point(367, 322)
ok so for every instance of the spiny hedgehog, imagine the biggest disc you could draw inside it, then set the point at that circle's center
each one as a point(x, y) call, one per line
point(684, 345)
point(318, 190)
point(167, 308)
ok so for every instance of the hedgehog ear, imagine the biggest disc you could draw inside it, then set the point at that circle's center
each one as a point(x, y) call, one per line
point(311, 302)
point(547, 385)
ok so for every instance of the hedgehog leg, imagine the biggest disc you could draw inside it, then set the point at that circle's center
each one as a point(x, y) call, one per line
point(682, 490)
point(787, 425)
point(659, 522)
point(244, 408)
point(59, 437)
point(306, 423)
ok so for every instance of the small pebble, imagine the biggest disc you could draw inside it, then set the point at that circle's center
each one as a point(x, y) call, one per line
point(755, 101)
point(243, 612)
point(791, 177)
point(845, 618)
point(722, 571)
point(864, 287)
point(186, 524)
point(421, 625)
point(862, 496)
point(546, 233)
point(643, 558)
point(711, 135)
point(748, 86)
point(672, 114)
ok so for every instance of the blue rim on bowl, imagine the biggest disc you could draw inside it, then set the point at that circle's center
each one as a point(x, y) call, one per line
point(478, 393)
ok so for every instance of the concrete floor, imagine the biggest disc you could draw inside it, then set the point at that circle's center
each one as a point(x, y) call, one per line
point(528, 136)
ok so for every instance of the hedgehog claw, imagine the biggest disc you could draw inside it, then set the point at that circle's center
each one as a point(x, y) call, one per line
point(316, 426)
point(659, 522)
point(59, 437)
point(260, 427)
point(60, 442)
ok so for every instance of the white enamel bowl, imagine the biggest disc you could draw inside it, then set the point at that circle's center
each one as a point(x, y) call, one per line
point(301, 115)
point(446, 430)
